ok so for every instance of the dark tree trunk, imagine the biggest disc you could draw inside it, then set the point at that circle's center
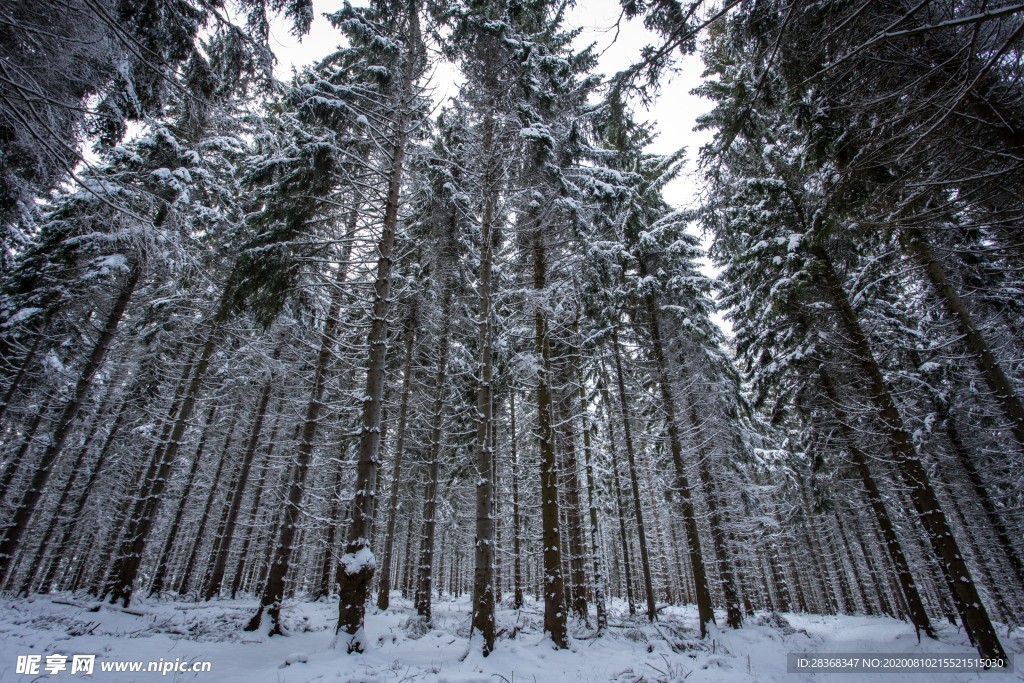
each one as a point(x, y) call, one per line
point(357, 565)
point(62, 425)
point(627, 431)
point(222, 548)
point(572, 502)
point(1000, 385)
point(160, 574)
point(327, 569)
point(705, 610)
point(145, 513)
point(36, 565)
point(517, 523)
point(64, 545)
point(984, 496)
point(424, 584)
point(18, 378)
point(619, 505)
point(261, 487)
point(976, 620)
point(595, 544)
point(211, 496)
point(384, 587)
point(273, 591)
point(553, 578)
point(734, 617)
point(483, 575)
point(14, 464)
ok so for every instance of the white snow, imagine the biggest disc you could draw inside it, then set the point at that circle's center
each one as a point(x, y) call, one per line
point(356, 563)
point(401, 648)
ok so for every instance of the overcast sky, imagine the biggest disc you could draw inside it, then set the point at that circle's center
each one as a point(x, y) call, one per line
point(673, 115)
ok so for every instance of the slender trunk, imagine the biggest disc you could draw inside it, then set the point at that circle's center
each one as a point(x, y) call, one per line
point(424, 584)
point(988, 366)
point(553, 580)
point(745, 587)
point(620, 506)
point(660, 546)
point(578, 588)
point(105, 567)
point(64, 546)
point(915, 606)
point(186, 576)
point(327, 574)
point(975, 618)
point(243, 555)
point(595, 547)
point(160, 574)
point(734, 617)
point(28, 438)
point(222, 549)
point(36, 565)
point(16, 381)
point(357, 565)
point(627, 431)
point(167, 424)
point(273, 591)
point(984, 496)
point(409, 568)
point(878, 578)
point(384, 588)
point(705, 611)
point(141, 523)
point(63, 424)
point(517, 524)
point(483, 575)
point(496, 505)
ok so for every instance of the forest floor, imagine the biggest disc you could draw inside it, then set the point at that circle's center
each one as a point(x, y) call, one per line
point(404, 650)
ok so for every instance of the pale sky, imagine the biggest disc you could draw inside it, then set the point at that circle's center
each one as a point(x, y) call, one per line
point(673, 114)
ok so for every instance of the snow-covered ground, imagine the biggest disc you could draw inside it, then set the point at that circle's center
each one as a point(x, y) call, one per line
point(403, 650)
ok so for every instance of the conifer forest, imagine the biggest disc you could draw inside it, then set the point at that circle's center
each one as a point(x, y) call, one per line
point(409, 346)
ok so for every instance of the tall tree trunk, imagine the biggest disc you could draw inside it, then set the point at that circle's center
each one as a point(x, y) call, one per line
point(988, 366)
point(517, 523)
point(984, 496)
point(327, 569)
point(627, 431)
point(63, 547)
point(578, 587)
point(27, 440)
point(105, 566)
point(222, 548)
point(62, 426)
point(211, 496)
point(734, 617)
point(160, 574)
point(553, 579)
point(254, 510)
point(357, 565)
point(483, 575)
point(273, 591)
point(705, 611)
point(384, 587)
point(424, 584)
point(36, 565)
point(627, 569)
point(595, 545)
point(915, 606)
point(23, 369)
point(166, 425)
point(976, 620)
point(146, 509)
